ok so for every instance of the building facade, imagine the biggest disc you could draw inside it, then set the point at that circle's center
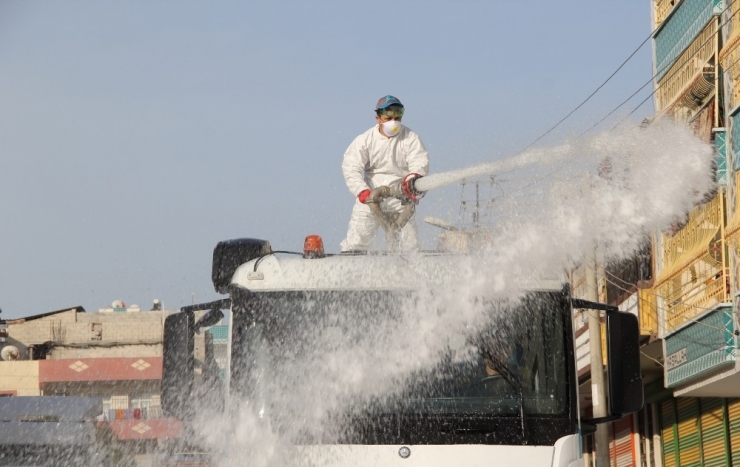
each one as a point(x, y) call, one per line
point(685, 285)
point(114, 354)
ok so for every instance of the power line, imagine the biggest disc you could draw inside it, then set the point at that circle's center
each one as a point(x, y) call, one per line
point(719, 29)
point(590, 95)
point(692, 320)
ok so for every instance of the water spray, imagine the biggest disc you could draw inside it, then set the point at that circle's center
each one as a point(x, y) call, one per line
point(538, 155)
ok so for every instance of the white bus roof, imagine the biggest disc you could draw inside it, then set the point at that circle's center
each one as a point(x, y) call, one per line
point(372, 272)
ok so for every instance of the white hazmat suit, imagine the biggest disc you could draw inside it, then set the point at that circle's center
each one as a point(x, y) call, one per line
point(374, 160)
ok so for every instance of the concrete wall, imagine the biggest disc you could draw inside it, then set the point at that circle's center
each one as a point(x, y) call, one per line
point(20, 377)
point(92, 335)
point(99, 328)
point(40, 330)
point(82, 336)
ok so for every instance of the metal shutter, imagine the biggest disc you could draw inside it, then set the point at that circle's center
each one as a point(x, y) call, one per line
point(667, 433)
point(733, 416)
point(689, 443)
point(621, 443)
point(713, 432)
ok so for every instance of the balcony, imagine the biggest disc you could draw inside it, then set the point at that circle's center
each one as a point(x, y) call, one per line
point(679, 29)
point(732, 231)
point(690, 80)
point(701, 348)
point(729, 59)
point(694, 277)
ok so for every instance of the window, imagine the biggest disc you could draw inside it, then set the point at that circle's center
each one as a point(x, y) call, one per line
point(119, 402)
point(96, 331)
point(141, 403)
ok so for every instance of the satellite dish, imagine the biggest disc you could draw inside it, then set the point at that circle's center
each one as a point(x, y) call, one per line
point(117, 304)
point(10, 353)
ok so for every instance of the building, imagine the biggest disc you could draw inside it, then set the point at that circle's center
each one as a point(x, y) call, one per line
point(685, 286)
point(114, 354)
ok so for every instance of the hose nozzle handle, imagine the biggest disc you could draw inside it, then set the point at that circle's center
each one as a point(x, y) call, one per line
point(406, 189)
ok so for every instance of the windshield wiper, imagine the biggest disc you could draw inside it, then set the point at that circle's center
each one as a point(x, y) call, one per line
point(516, 382)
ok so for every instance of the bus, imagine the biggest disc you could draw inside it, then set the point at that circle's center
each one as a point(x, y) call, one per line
point(503, 392)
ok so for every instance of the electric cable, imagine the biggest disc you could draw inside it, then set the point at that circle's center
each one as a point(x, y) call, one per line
point(651, 80)
point(693, 320)
point(667, 66)
point(590, 95)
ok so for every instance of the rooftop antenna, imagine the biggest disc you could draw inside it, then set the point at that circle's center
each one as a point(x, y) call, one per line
point(441, 223)
point(476, 214)
point(463, 204)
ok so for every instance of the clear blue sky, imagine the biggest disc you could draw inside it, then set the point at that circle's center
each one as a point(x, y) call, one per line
point(136, 135)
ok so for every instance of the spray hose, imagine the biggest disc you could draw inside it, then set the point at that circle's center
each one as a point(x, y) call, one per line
point(392, 222)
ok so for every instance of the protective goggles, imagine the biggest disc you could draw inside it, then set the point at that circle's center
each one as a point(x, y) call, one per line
point(393, 111)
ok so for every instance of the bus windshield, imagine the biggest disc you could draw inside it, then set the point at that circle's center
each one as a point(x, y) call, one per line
point(513, 365)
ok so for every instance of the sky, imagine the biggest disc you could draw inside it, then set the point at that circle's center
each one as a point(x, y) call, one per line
point(134, 136)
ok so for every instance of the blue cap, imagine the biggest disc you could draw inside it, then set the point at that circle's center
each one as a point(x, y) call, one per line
point(387, 101)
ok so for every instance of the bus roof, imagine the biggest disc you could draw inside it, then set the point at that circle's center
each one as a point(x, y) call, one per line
point(372, 272)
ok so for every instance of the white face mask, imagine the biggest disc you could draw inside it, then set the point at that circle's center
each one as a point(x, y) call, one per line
point(391, 127)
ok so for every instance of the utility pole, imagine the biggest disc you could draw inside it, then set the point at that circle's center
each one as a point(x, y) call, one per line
point(598, 392)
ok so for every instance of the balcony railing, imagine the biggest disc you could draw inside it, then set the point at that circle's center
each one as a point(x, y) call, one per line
point(732, 231)
point(688, 81)
point(648, 312)
point(694, 277)
point(703, 224)
point(687, 304)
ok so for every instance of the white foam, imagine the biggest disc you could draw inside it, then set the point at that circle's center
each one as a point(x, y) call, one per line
point(656, 174)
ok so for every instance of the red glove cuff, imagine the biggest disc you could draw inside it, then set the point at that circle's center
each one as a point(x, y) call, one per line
point(363, 196)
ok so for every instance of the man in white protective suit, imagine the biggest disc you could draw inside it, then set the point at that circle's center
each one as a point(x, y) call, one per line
point(387, 153)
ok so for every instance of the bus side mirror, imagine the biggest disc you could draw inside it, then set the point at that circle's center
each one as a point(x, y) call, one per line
point(178, 364)
point(623, 356)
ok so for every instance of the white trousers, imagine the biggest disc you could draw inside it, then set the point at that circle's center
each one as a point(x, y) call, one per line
point(363, 226)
